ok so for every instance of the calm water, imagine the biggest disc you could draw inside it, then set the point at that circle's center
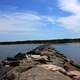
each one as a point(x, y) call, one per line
point(11, 50)
point(71, 50)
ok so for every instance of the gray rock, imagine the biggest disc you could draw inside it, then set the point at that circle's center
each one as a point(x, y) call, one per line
point(38, 73)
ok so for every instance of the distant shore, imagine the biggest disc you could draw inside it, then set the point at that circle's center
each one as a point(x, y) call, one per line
point(55, 41)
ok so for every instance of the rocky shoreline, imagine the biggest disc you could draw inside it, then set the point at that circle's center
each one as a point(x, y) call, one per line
point(42, 63)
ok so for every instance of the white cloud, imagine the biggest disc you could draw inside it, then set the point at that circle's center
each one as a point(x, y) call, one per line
point(18, 22)
point(70, 22)
point(24, 22)
point(70, 5)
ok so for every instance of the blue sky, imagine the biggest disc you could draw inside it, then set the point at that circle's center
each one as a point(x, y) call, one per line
point(39, 19)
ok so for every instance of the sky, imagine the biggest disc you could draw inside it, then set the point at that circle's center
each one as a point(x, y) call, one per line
point(39, 19)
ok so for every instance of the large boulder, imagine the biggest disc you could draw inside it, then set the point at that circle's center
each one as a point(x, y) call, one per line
point(53, 68)
point(39, 73)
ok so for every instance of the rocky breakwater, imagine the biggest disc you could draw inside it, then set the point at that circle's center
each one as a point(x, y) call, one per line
point(43, 63)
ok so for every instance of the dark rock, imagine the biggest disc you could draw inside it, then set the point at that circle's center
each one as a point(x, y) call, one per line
point(14, 63)
point(3, 72)
point(10, 76)
point(42, 61)
point(31, 53)
point(11, 59)
point(20, 56)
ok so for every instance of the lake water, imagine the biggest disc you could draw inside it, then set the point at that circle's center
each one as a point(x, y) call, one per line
point(12, 50)
point(71, 50)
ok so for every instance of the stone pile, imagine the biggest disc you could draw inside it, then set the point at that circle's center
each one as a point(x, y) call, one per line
point(44, 63)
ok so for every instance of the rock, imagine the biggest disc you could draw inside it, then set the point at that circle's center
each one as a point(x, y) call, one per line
point(29, 58)
point(42, 61)
point(45, 52)
point(14, 63)
point(7, 65)
point(39, 73)
point(74, 74)
point(39, 57)
point(72, 71)
point(45, 57)
point(25, 65)
point(53, 68)
point(10, 76)
point(3, 71)
point(69, 67)
point(20, 56)
point(11, 59)
point(36, 56)
point(10, 62)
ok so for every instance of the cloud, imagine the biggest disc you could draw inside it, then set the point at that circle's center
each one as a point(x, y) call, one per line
point(24, 22)
point(70, 5)
point(17, 21)
point(70, 22)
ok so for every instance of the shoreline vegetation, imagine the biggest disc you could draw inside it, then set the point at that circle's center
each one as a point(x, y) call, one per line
point(42, 63)
point(55, 41)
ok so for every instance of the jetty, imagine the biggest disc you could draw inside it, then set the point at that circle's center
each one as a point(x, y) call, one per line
point(42, 63)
